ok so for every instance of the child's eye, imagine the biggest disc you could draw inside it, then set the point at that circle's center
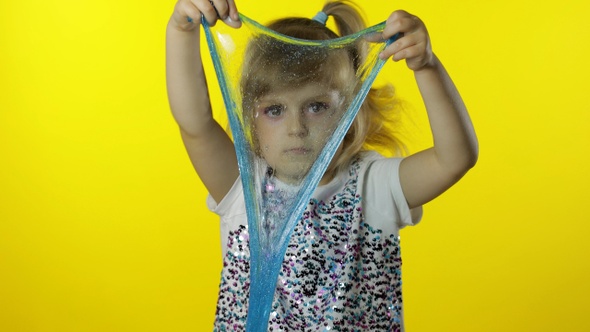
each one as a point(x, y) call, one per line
point(317, 107)
point(274, 111)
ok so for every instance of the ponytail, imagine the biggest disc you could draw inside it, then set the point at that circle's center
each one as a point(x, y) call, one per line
point(346, 15)
point(377, 123)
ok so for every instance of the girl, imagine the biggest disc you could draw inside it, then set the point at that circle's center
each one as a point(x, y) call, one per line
point(342, 268)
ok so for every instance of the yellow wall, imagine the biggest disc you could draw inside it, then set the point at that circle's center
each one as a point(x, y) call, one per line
point(103, 225)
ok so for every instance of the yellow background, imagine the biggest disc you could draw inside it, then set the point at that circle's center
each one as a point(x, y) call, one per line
point(103, 224)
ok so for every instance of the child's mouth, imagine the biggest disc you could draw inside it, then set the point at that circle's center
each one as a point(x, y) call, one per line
point(298, 151)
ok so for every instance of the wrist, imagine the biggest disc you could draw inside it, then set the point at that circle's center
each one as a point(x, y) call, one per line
point(429, 63)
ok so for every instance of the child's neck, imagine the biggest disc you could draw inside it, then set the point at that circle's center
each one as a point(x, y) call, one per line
point(328, 176)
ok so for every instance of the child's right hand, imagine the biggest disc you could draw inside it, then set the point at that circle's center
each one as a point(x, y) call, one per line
point(187, 13)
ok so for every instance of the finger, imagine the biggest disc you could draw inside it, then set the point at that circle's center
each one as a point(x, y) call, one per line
point(207, 9)
point(233, 18)
point(232, 23)
point(374, 37)
point(414, 52)
point(399, 22)
point(386, 53)
point(397, 46)
point(186, 15)
point(377, 37)
point(221, 7)
point(402, 25)
point(233, 10)
point(407, 41)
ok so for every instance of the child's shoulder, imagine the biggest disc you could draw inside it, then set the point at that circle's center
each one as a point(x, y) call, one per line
point(369, 167)
point(368, 158)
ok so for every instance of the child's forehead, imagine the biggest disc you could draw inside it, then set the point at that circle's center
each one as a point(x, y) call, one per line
point(309, 90)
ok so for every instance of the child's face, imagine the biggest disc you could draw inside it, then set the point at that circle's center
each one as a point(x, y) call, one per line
point(293, 125)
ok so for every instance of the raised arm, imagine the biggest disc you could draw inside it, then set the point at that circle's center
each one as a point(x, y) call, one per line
point(209, 147)
point(428, 173)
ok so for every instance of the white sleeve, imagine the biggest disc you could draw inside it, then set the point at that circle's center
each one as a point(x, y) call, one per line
point(226, 206)
point(231, 210)
point(382, 187)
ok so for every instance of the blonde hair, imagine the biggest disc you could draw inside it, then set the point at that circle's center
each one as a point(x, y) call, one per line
point(374, 127)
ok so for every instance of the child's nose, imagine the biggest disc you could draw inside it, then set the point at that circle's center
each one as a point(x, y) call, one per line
point(297, 125)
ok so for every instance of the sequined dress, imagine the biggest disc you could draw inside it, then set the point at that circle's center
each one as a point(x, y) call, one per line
point(342, 269)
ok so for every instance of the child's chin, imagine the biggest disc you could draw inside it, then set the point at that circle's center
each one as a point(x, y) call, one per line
point(293, 175)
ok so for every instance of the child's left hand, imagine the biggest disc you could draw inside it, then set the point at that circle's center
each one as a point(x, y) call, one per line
point(413, 44)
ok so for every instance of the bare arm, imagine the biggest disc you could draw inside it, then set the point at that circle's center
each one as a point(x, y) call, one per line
point(428, 173)
point(209, 147)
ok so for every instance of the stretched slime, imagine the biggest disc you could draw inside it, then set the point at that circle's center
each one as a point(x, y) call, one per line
point(274, 201)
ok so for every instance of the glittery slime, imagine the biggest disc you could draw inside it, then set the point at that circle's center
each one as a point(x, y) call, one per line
point(257, 67)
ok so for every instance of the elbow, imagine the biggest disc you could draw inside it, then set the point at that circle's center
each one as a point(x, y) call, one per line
point(461, 163)
point(469, 151)
point(473, 152)
point(467, 154)
point(468, 160)
point(471, 157)
point(461, 167)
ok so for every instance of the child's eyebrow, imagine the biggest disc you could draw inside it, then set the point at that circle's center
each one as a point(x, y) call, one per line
point(278, 98)
point(319, 97)
point(330, 94)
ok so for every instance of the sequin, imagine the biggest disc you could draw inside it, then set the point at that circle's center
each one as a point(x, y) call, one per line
point(339, 273)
